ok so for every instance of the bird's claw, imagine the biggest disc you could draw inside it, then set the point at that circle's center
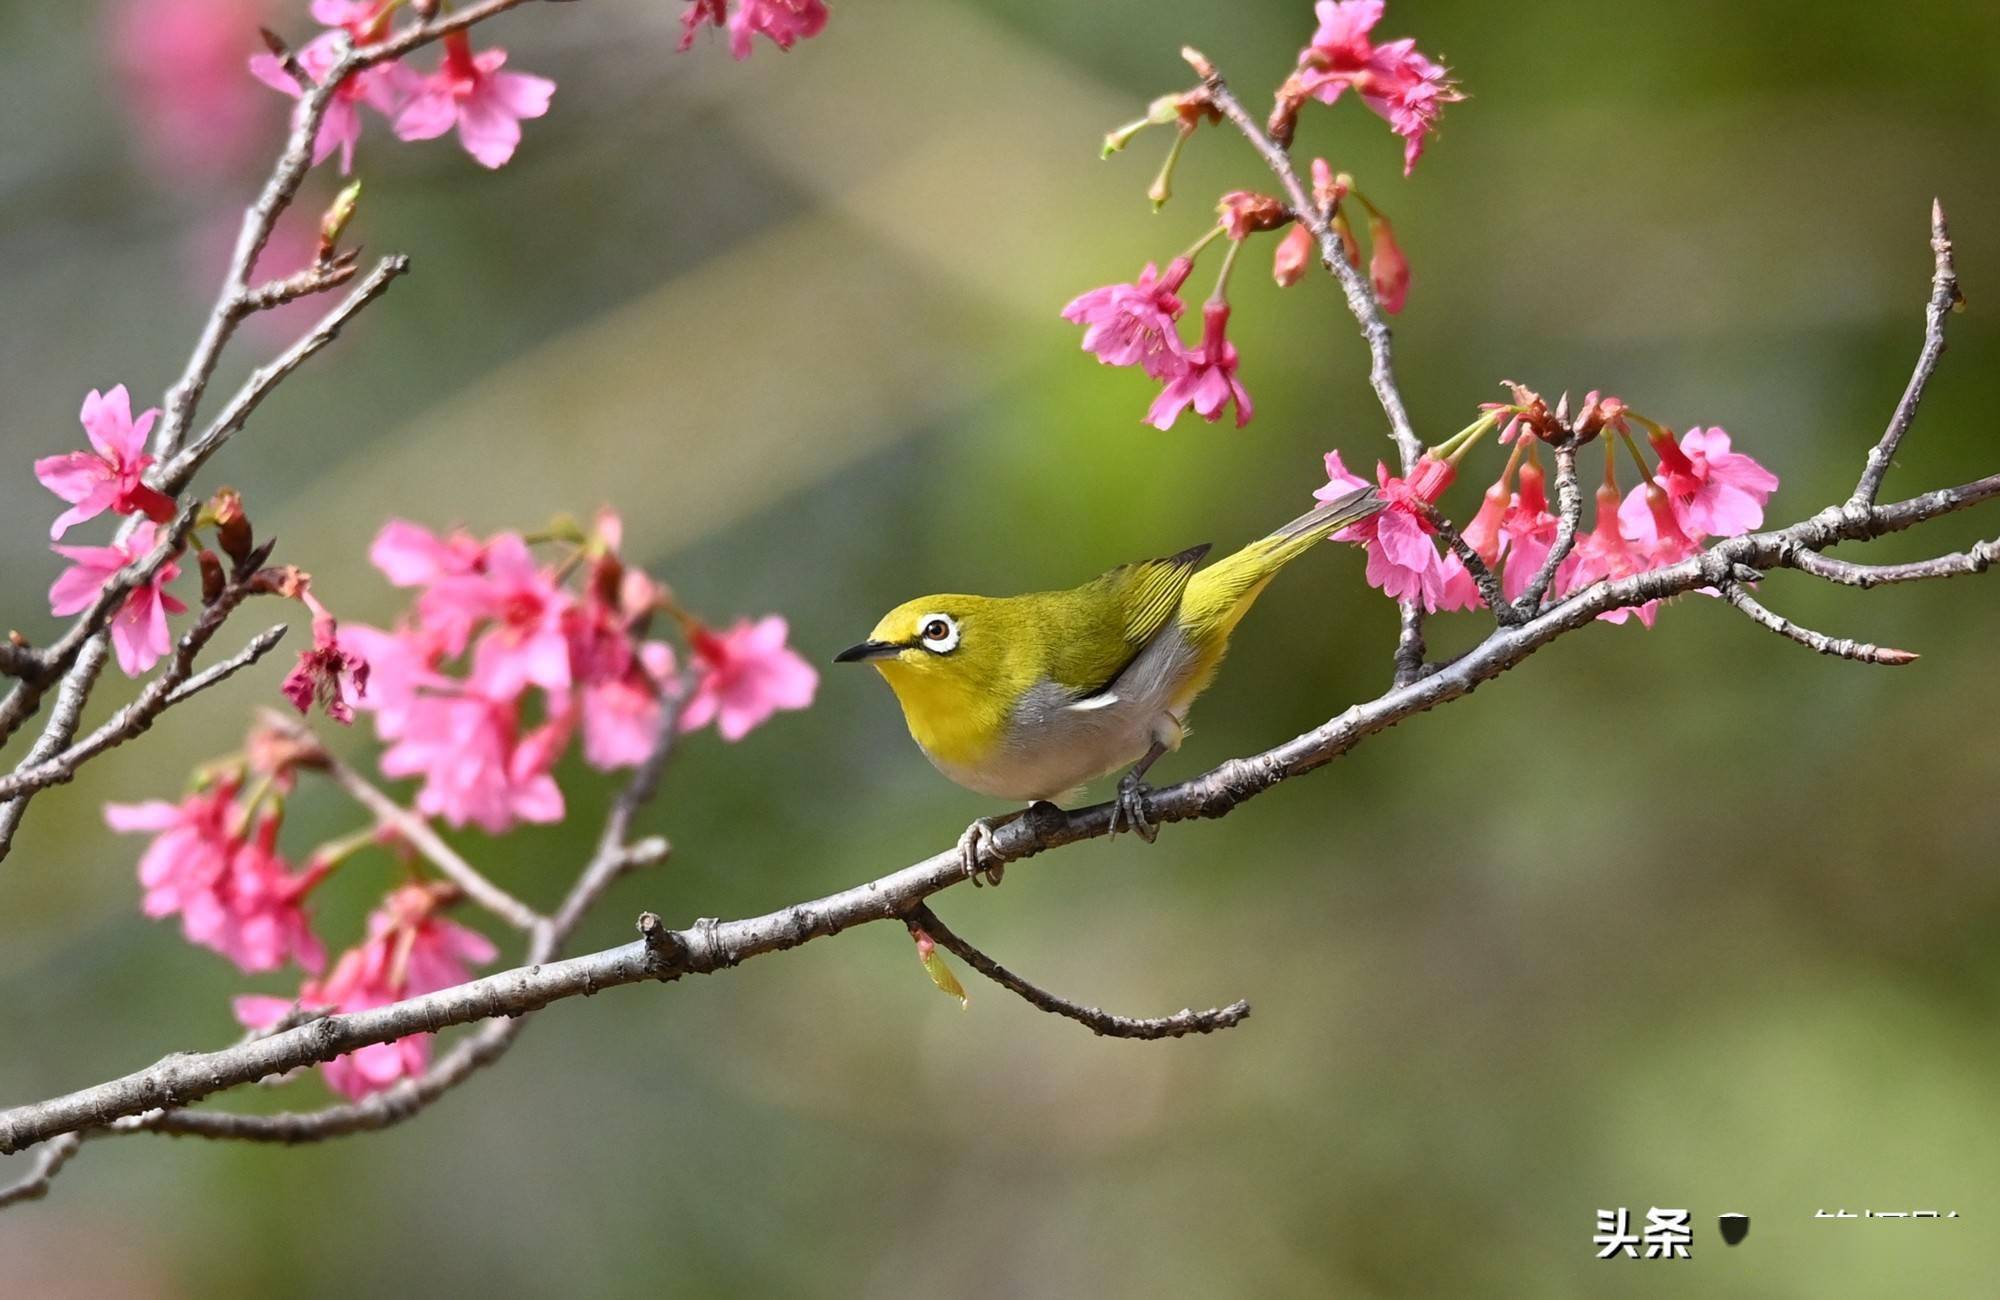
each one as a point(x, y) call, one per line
point(1132, 809)
point(978, 837)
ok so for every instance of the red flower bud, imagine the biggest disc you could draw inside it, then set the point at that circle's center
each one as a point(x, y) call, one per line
point(1294, 254)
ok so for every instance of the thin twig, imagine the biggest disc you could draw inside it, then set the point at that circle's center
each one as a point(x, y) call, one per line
point(137, 717)
point(1838, 647)
point(1569, 515)
point(55, 1153)
point(1944, 297)
point(1475, 566)
point(1975, 559)
point(63, 722)
point(265, 378)
point(413, 829)
point(1181, 1023)
point(258, 646)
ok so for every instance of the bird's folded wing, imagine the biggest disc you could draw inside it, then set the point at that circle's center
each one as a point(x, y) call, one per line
point(1117, 615)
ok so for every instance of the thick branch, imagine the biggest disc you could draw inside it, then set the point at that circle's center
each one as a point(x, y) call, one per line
point(708, 946)
point(1944, 297)
point(1181, 1023)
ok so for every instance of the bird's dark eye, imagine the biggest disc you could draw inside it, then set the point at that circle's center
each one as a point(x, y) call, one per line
point(935, 630)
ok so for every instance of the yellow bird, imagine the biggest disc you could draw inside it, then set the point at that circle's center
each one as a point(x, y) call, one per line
point(1029, 697)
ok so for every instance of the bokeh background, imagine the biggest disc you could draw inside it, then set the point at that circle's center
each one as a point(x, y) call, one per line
point(1686, 917)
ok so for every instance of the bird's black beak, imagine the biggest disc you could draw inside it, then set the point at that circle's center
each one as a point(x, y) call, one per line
point(868, 650)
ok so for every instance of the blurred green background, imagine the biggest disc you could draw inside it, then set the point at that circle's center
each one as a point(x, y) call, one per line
point(1685, 917)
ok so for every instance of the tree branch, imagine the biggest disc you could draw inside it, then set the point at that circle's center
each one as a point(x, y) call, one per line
point(1975, 559)
point(1569, 516)
point(1859, 651)
point(412, 828)
point(1104, 1023)
point(709, 946)
point(1944, 298)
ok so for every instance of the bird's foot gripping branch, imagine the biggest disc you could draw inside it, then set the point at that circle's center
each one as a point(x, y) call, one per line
point(518, 647)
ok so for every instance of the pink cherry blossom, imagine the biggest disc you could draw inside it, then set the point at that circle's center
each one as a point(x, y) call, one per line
point(1528, 533)
point(139, 628)
point(476, 766)
point(622, 681)
point(1133, 324)
point(340, 126)
point(331, 672)
point(783, 22)
point(111, 478)
point(1207, 379)
point(1402, 86)
point(527, 640)
point(235, 895)
point(470, 91)
point(1403, 557)
point(180, 75)
point(745, 675)
point(1715, 492)
point(398, 664)
point(410, 951)
point(1605, 553)
point(410, 555)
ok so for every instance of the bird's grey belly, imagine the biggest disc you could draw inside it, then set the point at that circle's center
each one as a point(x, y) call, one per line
point(1056, 742)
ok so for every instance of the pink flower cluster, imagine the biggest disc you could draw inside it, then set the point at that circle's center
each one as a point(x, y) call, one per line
point(521, 636)
point(224, 877)
point(468, 90)
point(782, 22)
point(1702, 489)
point(1135, 324)
point(410, 951)
point(1402, 86)
point(112, 477)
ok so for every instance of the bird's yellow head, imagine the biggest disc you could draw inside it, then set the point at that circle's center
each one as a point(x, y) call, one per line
point(955, 664)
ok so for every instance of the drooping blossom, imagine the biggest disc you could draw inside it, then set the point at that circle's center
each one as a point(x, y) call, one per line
point(1403, 87)
point(477, 765)
point(744, 676)
point(1293, 255)
point(1527, 531)
point(1403, 556)
point(410, 951)
point(1605, 553)
point(331, 672)
point(1388, 269)
point(409, 555)
point(340, 127)
point(180, 75)
point(783, 22)
point(112, 477)
point(1133, 324)
point(233, 892)
point(139, 629)
point(1206, 380)
point(470, 91)
point(622, 679)
point(1715, 492)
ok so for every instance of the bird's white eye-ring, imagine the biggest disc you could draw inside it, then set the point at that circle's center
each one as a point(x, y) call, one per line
point(939, 633)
